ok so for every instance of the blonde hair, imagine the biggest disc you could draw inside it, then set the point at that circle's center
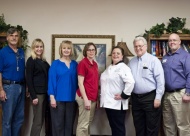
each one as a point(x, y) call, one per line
point(34, 44)
point(67, 44)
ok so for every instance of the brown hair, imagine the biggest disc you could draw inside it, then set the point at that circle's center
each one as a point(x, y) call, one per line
point(86, 47)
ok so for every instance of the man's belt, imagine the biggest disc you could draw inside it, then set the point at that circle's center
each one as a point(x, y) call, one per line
point(145, 94)
point(8, 82)
point(175, 90)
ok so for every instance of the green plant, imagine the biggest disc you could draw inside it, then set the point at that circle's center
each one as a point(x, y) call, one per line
point(158, 30)
point(175, 25)
point(23, 33)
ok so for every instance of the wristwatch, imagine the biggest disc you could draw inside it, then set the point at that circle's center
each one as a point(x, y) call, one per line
point(188, 94)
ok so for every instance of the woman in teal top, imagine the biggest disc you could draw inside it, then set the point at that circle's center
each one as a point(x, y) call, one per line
point(62, 88)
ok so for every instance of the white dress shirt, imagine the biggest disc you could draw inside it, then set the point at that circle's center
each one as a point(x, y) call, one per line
point(115, 80)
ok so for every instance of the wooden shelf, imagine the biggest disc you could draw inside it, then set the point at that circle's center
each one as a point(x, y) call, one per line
point(2, 39)
point(164, 38)
point(3, 34)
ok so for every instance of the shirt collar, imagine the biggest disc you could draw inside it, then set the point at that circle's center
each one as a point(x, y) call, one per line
point(177, 52)
point(143, 56)
point(11, 50)
point(118, 62)
point(88, 61)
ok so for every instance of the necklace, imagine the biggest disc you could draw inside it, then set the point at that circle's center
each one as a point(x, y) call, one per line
point(17, 59)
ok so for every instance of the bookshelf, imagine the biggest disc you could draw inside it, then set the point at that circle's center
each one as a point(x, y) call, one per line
point(2, 39)
point(158, 46)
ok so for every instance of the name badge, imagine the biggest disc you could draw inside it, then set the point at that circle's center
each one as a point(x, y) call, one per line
point(164, 60)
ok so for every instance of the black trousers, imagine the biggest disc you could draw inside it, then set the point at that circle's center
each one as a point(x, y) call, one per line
point(63, 117)
point(116, 120)
point(48, 125)
point(146, 118)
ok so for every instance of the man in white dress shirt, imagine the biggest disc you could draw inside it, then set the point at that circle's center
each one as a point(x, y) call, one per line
point(148, 90)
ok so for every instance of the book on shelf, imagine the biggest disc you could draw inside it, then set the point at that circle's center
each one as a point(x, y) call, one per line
point(164, 49)
point(159, 48)
point(185, 46)
point(153, 47)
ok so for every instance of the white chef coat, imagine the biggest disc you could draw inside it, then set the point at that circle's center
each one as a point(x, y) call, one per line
point(115, 80)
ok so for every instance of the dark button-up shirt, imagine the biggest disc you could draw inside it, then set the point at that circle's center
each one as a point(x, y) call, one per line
point(177, 70)
point(12, 65)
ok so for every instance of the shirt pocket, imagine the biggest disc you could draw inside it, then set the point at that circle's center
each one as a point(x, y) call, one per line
point(146, 73)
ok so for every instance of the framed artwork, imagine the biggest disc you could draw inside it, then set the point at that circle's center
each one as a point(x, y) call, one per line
point(104, 44)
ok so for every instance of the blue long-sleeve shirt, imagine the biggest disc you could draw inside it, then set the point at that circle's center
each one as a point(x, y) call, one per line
point(177, 70)
point(62, 82)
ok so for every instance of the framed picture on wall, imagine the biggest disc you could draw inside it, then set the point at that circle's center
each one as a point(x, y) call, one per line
point(104, 44)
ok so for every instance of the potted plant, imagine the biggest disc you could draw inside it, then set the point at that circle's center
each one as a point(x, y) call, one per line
point(23, 33)
point(175, 25)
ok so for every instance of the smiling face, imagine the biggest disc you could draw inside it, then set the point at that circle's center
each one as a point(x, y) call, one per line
point(140, 48)
point(116, 55)
point(39, 49)
point(66, 50)
point(91, 52)
point(174, 42)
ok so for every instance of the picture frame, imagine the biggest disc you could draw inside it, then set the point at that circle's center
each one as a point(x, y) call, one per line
point(104, 44)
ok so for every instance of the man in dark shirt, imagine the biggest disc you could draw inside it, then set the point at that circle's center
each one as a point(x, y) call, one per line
point(176, 103)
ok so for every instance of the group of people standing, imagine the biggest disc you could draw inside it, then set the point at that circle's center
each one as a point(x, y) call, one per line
point(154, 87)
point(161, 88)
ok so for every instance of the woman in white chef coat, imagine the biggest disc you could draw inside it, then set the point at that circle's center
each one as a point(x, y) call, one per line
point(116, 86)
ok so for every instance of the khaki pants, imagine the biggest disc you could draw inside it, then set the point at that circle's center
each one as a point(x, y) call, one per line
point(85, 117)
point(176, 114)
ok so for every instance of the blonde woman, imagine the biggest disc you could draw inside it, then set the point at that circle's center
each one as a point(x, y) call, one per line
point(37, 82)
point(62, 88)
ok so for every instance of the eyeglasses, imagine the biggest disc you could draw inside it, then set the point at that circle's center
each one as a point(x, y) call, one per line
point(172, 40)
point(138, 46)
point(91, 50)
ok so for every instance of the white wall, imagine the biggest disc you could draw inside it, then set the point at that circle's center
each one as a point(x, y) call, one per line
point(123, 18)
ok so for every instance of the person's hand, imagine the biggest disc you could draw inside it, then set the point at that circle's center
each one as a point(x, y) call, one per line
point(186, 98)
point(117, 97)
point(53, 102)
point(87, 104)
point(98, 104)
point(157, 103)
point(27, 94)
point(35, 101)
point(3, 96)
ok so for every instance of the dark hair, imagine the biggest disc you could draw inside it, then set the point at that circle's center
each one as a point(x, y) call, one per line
point(117, 47)
point(86, 47)
point(12, 30)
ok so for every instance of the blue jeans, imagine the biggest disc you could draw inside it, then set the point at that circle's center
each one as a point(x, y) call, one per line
point(13, 109)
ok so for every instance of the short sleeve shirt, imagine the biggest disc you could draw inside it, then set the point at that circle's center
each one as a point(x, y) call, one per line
point(12, 65)
point(90, 73)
